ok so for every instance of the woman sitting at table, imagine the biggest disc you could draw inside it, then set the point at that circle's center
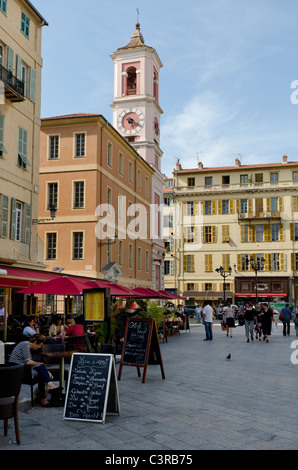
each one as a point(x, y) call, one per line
point(56, 328)
point(22, 354)
point(31, 328)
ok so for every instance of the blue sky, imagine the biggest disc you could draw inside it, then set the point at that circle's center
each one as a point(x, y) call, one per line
point(225, 85)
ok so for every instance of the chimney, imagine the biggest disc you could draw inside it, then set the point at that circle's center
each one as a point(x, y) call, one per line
point(285, 159)
point(178, 166)
point(200, 165)
point(237, 162)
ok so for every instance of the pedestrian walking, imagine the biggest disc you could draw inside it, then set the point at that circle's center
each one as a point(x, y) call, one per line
point(208, 314)
point(198, 312)
point(267, 316)
point(285, 317)
point(296, 323)
point(229, 318)
point(249, 318)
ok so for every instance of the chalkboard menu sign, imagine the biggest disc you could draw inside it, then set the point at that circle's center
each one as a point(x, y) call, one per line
point(92, 388)
point(141, 346)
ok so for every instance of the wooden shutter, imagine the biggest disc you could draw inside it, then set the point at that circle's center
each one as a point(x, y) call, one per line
point(239, 264)
point(4, 216)
point(281, 233)
point(32, 91)
point(237, 206)
point(219, 207)
point(213, 234)
point(249, 206)
point(280, 204)
point(292, 231)
point(267, 233)
point(213, 207)
point(251, 233)
point(27, 225)
point(268, 204)
point(13, 219)
point(242, 233)
point(19, 67)
point(231, 206)
point(9, 59)
point(268, 262)
point(293, 262)
point(282, 261)
point(295, 203)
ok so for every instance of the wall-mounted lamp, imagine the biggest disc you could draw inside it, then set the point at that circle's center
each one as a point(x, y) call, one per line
point(56, 269)
point(110, 241)
point(52, 210)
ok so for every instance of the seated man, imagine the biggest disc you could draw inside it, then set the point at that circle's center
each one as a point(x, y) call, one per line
point(22, 354)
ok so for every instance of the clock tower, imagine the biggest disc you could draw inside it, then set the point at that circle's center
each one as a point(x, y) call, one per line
point(136, 116)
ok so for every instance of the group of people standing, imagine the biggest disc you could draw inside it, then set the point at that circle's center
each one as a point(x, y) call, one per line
point(257, 320)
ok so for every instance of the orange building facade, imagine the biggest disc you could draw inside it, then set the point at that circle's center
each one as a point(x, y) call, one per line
point(85, 163)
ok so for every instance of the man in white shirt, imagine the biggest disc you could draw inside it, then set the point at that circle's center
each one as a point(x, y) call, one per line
point(198, 313)
point(208, 313)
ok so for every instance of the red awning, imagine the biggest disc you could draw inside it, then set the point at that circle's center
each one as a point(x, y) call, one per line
point(18, 278)
point(148, 293)
point(60, 286)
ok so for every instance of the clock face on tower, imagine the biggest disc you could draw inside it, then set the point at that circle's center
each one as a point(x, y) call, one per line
point(130, 121)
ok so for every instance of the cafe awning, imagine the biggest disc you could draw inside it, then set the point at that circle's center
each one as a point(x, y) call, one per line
point(20, 278)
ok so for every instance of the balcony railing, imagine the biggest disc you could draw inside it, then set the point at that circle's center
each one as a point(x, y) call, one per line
point(259, 215)
point(14, 88)
point(234, 187)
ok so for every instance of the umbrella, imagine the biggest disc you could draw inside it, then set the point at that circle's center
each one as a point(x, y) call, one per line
point(115, 289)
point(60, 286)
point(148, 293)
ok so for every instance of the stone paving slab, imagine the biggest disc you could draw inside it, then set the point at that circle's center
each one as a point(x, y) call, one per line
point(204, 403)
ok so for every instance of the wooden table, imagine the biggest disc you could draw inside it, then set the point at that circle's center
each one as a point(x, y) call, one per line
point(59, 355)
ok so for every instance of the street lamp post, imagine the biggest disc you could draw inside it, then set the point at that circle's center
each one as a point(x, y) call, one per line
point(257, 266)
point(224, 274)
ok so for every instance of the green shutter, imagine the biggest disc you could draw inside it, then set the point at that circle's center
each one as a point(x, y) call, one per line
point(4, 216)
point(13, 219)
point(27, 231)
point(32, 92)
point(9, 59)
point(19, 67)
point(23, 135)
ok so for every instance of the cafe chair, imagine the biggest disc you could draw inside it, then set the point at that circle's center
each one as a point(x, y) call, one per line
point(10, 386)
point(29, 380)
point(79, 343)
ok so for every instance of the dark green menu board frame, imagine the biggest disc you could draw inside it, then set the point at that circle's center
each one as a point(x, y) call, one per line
point(140, 346)
point(92, 390)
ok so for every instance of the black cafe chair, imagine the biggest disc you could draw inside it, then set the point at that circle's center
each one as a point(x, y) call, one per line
point(10, 385)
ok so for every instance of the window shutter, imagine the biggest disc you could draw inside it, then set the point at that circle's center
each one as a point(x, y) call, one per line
point(27, 231)
point(184, 208)
point(267, 233)
point(237, 206)
point(13, 219)
point(292, 232)
point(184, 263)
point(280, 204)
point(171, 267)
point(32, 92)
point(19, 67)
point(1, 133)
point(231, 206)
point(282, 261)
point(249, 206)
point(192, 263)
point(268, 204)
point(242, 233)
point(219, 207)
point(203, 235)
point(184, 234)
point(213, 207)
point(4, 216)
point(268, 258)
point(172, 243)
point(213, 234)
point(239, 265)
point(281, 233)
point(196, 208)
point(252, 233)
point(295, 203)
point(9, 59)
point(293, 262)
